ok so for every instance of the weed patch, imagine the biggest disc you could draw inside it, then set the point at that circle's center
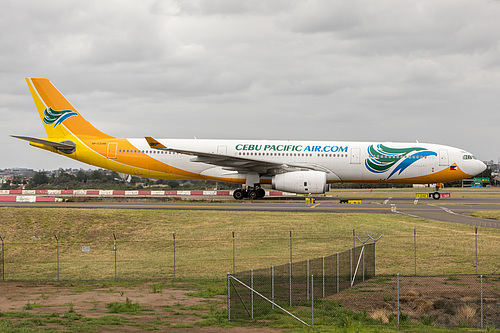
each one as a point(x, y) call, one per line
point(127, 307)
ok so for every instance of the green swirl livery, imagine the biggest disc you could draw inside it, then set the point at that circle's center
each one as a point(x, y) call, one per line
point(52, 116)
point(382, 158)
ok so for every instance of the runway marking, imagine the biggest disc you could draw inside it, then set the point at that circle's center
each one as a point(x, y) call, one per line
point(394, 210)
point(447, 210)
point(315, 205)
point(387, 201)
point(416, 201)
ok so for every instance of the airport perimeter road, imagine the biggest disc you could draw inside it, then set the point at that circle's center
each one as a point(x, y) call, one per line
point(448, 210)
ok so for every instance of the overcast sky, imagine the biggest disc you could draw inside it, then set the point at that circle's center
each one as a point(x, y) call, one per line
point(361, 70)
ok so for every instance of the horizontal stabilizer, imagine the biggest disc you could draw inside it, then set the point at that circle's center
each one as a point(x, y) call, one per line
point(57, 145)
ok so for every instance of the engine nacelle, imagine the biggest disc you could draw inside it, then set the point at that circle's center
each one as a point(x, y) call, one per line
point(303, 182)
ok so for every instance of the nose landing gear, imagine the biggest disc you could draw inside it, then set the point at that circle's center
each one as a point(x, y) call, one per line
point(436, 195)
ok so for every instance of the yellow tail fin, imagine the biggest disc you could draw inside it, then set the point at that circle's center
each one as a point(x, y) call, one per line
point(58, 116)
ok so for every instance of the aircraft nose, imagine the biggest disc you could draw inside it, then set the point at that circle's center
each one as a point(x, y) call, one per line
point(477, 168)
point(472, 167)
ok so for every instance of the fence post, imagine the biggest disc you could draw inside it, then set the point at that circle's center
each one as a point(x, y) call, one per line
point(228, 297)
point(291, 249)
point(353, 246)
point(290, 283)
point(398, 295)
point(375, 257)
point(57, 239)
point(482, 313)
point(312, 300)
point(173, 235)
point(2, 249)
point(350, 266)
point(251, 286)
point(415, 248)
point(233, 254)
point(114, 248)
point(323, 276)
point(338, 274)
point(476, 250)
point(307, 280)
point(363, 264)
point(272, 286)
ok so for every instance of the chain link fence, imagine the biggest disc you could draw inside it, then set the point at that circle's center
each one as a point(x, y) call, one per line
point(470, 301)
point(97, 255)
point(107, 256)
point(459, 301)
point(292, 284)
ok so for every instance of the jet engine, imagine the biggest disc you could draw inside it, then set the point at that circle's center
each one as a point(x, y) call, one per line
point(303, 182)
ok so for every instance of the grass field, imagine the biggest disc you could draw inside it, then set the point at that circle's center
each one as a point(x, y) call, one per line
point(204, 249)
point(488, 214)
point(204, 244)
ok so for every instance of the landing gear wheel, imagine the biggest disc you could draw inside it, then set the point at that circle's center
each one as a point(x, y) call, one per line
point(436, 195)
point(238, 194)
point(261, 192)
point(253, 194)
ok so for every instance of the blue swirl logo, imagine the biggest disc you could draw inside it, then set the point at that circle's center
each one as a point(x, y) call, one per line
point(382, 158)
point(53, 117)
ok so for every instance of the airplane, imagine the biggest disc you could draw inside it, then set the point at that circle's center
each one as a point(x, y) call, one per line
point(304, 167)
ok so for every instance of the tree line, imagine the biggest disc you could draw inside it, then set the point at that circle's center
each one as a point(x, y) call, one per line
point(106, 180)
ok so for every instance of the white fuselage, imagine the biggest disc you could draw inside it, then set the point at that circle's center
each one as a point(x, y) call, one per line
point(341, 161)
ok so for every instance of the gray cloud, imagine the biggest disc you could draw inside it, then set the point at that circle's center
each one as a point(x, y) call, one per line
point(317, 69)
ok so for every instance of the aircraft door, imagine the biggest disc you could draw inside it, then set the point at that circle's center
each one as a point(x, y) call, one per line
point(355, 156)
point(112, 147)
point(443, 158)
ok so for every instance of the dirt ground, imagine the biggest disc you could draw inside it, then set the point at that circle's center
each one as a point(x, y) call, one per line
point(168, 310)
point(442, 301)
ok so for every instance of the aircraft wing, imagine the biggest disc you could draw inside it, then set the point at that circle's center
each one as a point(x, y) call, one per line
point(236, 163)
point(57, 145)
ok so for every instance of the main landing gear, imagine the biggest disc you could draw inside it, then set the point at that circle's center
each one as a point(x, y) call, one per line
point(252, 193)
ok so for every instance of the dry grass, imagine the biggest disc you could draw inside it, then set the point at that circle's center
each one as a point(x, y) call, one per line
point(465, 314)
point(204, 242)
point(382, 314)
point(423, 306)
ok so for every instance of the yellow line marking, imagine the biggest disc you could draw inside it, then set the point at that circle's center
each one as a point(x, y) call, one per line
point(315, 205)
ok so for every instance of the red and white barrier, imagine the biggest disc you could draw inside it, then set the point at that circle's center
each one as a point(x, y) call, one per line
point(133, 193)
point(28, 198)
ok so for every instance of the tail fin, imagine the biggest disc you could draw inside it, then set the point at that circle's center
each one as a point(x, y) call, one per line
point(58, 116)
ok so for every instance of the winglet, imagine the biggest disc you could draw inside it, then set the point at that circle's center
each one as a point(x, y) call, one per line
point(153, 143)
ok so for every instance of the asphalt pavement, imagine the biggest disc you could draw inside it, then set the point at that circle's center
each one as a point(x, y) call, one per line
point(454, 210)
